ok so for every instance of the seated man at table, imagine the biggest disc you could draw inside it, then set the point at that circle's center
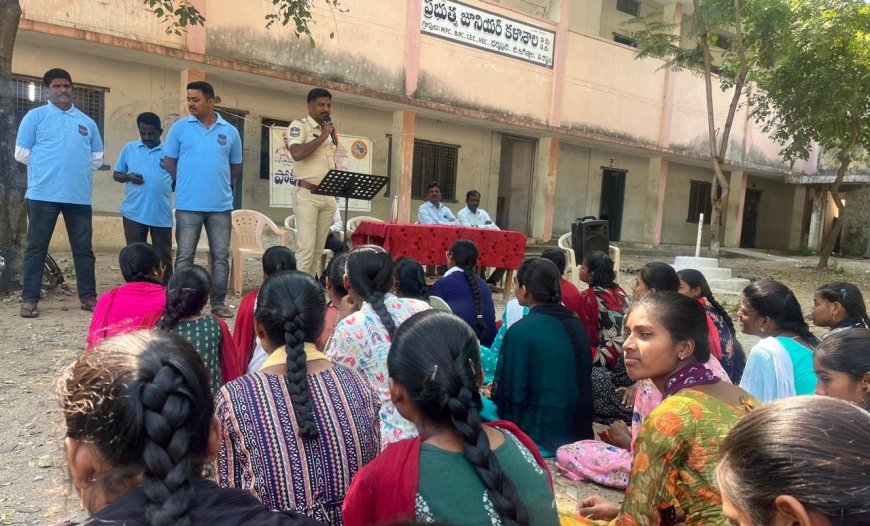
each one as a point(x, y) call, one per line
point(472, 216)
point(432, 212)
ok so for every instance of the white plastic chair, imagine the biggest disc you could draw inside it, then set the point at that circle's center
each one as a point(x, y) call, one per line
point(325, 254)
point(247, 240)
point(574, 269)
point(354, 222)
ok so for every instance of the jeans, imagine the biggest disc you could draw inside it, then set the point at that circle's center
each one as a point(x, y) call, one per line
point(161, 240)
point(41, 220)
point(218, 227)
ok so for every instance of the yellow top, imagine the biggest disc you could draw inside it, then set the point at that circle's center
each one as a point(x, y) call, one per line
point(279, 356)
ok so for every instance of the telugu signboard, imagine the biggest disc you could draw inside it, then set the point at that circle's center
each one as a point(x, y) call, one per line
point(353, 154)
point(475, 27)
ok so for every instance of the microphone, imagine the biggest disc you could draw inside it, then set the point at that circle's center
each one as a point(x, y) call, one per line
point(328, 120)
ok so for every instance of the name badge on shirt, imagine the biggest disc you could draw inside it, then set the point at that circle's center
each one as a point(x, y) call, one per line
point(83, 130)
point(222, 139)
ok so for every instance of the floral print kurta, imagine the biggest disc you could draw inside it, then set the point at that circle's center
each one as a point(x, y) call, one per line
point(672, 477)
point(361, 342)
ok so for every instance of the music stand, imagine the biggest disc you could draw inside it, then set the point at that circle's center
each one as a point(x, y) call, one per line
point(350, 185)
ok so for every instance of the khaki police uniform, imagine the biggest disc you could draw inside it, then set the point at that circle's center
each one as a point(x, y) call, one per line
point(314, 213)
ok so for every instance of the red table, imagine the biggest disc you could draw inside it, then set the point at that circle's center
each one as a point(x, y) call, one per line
point(429, 244)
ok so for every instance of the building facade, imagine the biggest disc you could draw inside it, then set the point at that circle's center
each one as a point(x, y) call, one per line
point(540, 105)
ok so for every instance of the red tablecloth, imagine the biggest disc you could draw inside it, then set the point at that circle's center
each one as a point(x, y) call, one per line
point(429, 244)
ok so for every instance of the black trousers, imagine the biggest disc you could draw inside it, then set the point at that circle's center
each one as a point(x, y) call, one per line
point(161, 240)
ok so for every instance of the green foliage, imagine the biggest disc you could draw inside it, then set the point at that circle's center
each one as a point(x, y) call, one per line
point(177, 15)
point(815, 85)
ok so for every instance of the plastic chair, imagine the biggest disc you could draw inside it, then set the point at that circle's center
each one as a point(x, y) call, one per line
point(325, 254)
point(354, 222)
point(247, 241)
point(574, 269)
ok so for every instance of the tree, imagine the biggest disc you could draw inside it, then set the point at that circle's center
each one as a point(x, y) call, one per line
point(177, 15)
point(816, 88)
point(705, 26)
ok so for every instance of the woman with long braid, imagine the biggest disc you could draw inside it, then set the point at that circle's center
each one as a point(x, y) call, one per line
point(458, 471)
point(694, 285)
point(466, 293)
point(186, 295)
point(543, 380)
point(362, 339)
point(139, 429)
point(297, 431)
point(781, 364)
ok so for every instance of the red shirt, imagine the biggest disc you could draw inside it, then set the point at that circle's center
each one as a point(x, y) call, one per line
point(570, 296)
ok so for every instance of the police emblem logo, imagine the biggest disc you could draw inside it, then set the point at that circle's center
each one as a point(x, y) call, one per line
point(359, 149)
point(222, 139)
point(83, 130)
point(295, 131)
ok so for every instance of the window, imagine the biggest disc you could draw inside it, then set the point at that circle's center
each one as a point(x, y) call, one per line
point(723, 42)
point(29, 93)
point(699, 201)
point(630, 7)
point(265, 169)
point(622, 39)
point(434, 161)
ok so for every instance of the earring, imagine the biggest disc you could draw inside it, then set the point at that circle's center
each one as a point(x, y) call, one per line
point(682, 358)
point(763, 330)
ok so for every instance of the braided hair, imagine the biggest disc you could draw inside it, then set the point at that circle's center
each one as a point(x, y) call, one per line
point(186, 295)
point(775, 300)
point(143, 400)
point(696, 280)
point(277, 259)
point(540, 277)
point(411, 279)
point(847, 295)
point(441, 376)
point(291, 308)
point(370, 271)
point(139, 263)
point(464, 253)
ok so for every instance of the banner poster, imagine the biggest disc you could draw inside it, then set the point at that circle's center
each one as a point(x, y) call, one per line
point(353, 154)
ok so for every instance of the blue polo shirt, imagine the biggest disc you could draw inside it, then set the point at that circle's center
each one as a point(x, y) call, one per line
point(60, 144)
point(202, 183)
point(149, 203)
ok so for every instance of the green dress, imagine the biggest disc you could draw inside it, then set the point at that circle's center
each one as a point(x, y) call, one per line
point(450, 490)
point(544, 384)
point(673, 473)
point(205, 334)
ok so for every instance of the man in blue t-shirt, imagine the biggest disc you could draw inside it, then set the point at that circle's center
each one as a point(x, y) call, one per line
point(203, 153)
point(147, 202)
point(61, 147)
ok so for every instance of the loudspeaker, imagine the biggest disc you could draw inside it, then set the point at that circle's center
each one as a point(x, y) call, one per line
point(589, 234)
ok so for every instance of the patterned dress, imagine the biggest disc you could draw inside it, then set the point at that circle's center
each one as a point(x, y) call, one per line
point(672, 477)
point(205, 334)
point(262, 453)
point(361, 342)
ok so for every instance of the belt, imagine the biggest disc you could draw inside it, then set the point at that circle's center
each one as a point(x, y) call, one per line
point(306, 185)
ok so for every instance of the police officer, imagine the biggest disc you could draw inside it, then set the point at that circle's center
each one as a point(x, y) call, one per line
point(312, 144)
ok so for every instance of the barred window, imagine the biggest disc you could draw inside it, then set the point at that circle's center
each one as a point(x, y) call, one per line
point(28, 93)
point(630, 7)
point(434, 161)
point(699, 201)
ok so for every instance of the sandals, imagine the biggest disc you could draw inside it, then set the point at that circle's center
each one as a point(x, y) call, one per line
point(222, 311)
point(29, 310)
point(89, 305)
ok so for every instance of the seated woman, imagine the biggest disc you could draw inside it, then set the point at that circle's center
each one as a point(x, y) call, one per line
point(842, 365)
point(467, 294)
point(457, 471)
point(672, 476)
point(602, 308)
point(838, 306)
point(570, 294)
point(781, 364)
point(140, 429)
point(143, 292)
point(295, 433)
point(411, 283)
point(542, 381)
point(800, 461)
point(694, 285)
point(247, 344)
point(335, 293)
point(361, 340)
point(186, 295)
